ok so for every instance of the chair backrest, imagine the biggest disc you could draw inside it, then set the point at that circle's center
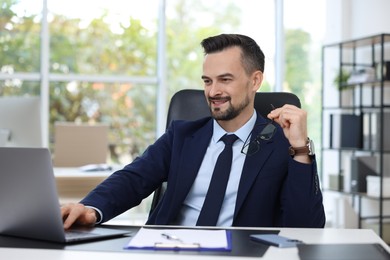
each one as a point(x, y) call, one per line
point(191, 104)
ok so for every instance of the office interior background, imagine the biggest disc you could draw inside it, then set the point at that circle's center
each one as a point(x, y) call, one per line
point(118, 63)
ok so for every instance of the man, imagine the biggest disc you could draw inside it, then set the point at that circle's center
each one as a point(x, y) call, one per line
point(267, 188)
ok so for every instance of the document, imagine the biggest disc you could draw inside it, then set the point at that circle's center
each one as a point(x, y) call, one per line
point(181, 239)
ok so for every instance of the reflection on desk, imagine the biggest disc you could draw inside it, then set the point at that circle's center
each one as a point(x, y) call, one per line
point(113, 248)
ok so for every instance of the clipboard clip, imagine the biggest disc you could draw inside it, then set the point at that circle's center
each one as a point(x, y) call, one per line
point(177, 246)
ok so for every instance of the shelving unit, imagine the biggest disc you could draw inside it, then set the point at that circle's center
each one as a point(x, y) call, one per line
point(356, 124)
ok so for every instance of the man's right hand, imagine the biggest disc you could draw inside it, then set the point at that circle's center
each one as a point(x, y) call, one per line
point(77, 213)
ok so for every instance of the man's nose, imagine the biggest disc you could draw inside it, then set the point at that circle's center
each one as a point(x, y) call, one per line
point(215, 89)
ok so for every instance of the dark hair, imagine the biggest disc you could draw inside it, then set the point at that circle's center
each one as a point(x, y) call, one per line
point(252, 56)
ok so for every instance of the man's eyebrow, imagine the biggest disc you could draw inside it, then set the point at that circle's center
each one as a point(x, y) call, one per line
point(219, 76)
point(225, 75)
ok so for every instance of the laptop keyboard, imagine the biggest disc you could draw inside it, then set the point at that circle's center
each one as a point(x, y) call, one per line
point(72, 234)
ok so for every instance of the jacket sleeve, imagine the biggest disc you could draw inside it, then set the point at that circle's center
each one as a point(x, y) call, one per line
point(302, 197)
point(126, 188)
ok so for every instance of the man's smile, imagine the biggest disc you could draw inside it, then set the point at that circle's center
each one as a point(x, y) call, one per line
point(219, 101)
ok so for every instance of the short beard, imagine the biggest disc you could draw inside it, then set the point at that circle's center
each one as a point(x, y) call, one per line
point(231, 112)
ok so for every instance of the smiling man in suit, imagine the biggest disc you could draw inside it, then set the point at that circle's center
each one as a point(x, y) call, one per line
point(270, 164)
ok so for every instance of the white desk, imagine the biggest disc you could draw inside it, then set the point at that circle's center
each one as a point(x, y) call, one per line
point(73, 184)
point(306, 235)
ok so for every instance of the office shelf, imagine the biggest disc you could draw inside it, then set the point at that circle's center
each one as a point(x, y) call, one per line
point(356, 113)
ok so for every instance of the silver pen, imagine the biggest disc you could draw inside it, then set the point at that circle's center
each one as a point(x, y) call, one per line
point(171, 237)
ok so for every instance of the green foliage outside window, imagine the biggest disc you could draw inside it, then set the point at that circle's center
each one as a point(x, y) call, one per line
point(95, 49)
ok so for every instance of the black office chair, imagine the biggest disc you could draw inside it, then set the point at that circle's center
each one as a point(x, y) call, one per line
point(191, 104)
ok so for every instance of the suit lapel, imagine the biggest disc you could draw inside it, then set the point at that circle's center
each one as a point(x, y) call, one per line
point(194, 149)
point(252, 166)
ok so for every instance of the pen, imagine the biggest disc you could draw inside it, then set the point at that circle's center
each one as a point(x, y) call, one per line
point(172, 237)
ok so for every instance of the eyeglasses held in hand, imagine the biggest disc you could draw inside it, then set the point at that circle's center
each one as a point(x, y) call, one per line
point(251, 147)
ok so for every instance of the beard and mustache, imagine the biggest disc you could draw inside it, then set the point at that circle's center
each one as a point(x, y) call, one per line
point(231, 112)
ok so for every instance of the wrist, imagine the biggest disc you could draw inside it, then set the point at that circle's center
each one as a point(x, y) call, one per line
point(98, 214)
point(306, 149)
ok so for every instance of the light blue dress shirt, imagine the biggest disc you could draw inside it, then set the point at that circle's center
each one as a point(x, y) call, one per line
point(193, 203)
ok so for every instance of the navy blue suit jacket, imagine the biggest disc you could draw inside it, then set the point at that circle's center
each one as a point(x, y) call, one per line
point(274, 190)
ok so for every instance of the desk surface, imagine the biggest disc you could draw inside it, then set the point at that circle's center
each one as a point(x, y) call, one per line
point(320, 236)
point(76, 172)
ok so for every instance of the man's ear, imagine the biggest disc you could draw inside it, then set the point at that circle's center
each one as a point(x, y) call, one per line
point(257, 79)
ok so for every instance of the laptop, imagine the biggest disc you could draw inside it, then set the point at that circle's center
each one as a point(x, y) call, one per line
point(29, 205)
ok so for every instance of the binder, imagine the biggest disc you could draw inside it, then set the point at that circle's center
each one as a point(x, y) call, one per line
point(346, 131)
point(342, 251)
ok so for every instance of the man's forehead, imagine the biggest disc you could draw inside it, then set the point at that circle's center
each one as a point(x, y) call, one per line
point(221, 63)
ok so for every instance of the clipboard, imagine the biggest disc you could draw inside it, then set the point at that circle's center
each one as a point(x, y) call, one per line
point(181, 240)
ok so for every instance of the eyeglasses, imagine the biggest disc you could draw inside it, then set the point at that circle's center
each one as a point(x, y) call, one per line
point(251, 147)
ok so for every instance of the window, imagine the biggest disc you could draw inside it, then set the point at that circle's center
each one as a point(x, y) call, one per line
point(101, 63)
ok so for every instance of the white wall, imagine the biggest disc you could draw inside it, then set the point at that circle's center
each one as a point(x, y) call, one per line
point(351, 19)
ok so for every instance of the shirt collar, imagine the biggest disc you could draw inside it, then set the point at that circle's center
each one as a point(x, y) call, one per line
point(242, 133)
